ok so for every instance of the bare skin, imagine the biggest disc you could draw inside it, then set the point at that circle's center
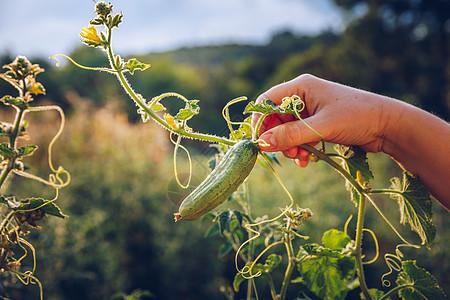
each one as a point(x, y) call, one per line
point(416, 139)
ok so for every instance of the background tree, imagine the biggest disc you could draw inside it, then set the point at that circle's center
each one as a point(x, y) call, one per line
point(401, 48)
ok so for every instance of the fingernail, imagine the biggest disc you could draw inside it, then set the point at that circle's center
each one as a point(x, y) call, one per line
point(268, 141)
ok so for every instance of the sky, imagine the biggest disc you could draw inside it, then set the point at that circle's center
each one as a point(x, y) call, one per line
point(42, 28)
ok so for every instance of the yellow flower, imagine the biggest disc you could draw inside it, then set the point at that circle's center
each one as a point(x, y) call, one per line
point(37, 89)
point(90, 34)
point(171, 121)
point(33, 86)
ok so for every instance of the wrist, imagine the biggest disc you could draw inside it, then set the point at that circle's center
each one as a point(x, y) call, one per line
point(394, 120)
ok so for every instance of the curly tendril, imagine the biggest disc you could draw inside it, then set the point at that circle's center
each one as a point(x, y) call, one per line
point(286, 102)
point(296, 100)
point(393, 261)
point(346, 224)
point(58, 63)
point(377, 250)
point(226, 113)
point(248, 269)
point(178, 145)
point(27, 277)
point(55, 180)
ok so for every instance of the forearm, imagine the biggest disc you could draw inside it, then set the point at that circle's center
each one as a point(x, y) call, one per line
point(420, 143)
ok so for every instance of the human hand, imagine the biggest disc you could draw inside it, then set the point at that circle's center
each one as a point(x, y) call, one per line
point(341, 114)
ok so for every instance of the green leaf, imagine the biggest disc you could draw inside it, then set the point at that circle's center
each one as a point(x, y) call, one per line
point(184, 114)
point(246, 128)
point(324, 271)
point(239, 278)
point(233, 226)
point(116, 20)
point(415, 206)
point(244, 131)
point(18, 102)
point(10, 201)
point(354, 160)
point(133, 64)
point(267, 107)
point(376, 294)
point(191, 109)
point(93, 44)
point(213, 230)
point(224, 220)
point(241, 235)
point(239, 216)
point(26, 150)
point(271, 263)
point(157, 106)
point(335, 239)
point(96, 21)
point(47, 206)
point(6, 151)
point(225, 249)
point(423, 284)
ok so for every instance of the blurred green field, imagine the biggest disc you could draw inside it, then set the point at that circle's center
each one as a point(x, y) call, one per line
point(121, 235)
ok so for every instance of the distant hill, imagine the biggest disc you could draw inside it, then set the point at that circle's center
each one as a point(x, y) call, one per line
point(281, 45)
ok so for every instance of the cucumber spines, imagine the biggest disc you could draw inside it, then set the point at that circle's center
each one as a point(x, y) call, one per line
point(223, 181)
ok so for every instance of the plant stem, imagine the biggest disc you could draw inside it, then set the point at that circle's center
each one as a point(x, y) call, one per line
point(2, 227)
point(396, 289)
point(258, 125)
point(291, 264)
point(385, 191)
point(12, 144)
point(144, 107)
point(273, 291)
point(360, 223)
point(247, 210)
point(5, 173)
point(15, 132)
point(358, 253)
point(6, 220)
point(335, 165)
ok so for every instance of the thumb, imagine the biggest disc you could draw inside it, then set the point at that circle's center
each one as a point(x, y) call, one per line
point(290, 134)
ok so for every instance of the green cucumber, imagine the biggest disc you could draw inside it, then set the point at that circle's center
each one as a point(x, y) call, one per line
point(218, 186)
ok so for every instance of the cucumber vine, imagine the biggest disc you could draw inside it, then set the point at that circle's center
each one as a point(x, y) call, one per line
point(19, 216)
point(329, 270)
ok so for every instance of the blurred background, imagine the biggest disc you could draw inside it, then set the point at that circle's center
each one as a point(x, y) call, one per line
point(120, 237)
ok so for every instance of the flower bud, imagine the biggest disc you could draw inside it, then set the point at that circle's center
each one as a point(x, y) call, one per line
point(103, 9)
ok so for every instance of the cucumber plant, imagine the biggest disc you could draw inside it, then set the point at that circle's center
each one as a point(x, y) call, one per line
point(19, 216)
point(222, 182)
point(330, 269)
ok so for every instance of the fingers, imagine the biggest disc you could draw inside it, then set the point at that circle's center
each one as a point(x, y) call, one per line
point(290, 135)
point(274, 120)
point(299, 155)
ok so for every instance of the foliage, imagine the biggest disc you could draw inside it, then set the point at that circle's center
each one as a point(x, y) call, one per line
point(106, 254)
point(327, 271)
point(20, 216)
point(421, 284)
point(408, 62)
